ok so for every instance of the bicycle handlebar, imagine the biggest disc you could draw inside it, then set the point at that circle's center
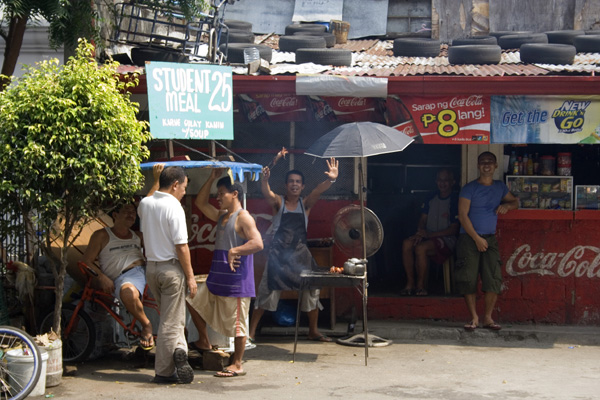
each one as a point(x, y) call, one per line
point(86, 268)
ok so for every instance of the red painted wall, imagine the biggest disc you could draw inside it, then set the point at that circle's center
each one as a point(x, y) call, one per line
point(551, 268)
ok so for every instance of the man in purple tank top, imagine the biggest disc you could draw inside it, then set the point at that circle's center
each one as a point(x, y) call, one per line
point(224, 302)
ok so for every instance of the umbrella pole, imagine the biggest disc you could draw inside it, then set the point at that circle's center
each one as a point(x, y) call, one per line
point(374, 340)
point(361, 185)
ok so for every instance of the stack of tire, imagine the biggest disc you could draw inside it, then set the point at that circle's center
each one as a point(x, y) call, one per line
point(241, 37)
point(588, 43)
point(416, 47)
point(552, 47)
point(312, 44)
point(475, 50)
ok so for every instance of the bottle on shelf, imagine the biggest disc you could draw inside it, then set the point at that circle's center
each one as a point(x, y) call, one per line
point(530, 165)
point(524, 164)
point(520, 158)
point(536, 164)
point(511, 162)
point(516, 167)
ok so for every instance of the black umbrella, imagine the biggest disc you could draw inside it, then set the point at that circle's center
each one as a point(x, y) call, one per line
point(359, 139)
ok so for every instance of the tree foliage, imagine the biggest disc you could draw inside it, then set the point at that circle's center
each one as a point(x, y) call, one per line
point(69, 21)
point(70, 145)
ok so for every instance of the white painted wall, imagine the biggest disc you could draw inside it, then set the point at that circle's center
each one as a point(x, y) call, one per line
point(35, 48)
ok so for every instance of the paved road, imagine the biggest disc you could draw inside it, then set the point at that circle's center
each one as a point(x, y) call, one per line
point(438, 369)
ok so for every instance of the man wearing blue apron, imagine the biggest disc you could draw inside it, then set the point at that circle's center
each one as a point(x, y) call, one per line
point(288, 253)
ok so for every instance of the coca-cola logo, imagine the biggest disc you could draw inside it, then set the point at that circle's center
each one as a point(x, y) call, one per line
point(473, 100)
point(204, 236)
point(574, 262)
point(407, 128)
point(254, 114)
point(289, 101)
point(352, 102)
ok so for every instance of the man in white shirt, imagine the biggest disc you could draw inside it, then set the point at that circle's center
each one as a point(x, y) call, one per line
point(169, 273)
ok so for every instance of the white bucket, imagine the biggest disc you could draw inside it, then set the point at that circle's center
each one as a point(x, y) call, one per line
point(20, 368)
point(54, 367)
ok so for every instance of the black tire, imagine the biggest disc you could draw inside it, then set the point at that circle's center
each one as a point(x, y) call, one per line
point(235, 52)
point(335, 57)
point(240, 36)
point(416, 47)
point(17, 386)
point(122, 58)
point(489, 40)
point(291, 29)
point(236, 24)
point(499, 34)
point(564, 36)
point(515, 41)
point(329, 37)
point(294, 42)
point(587, 43)
point(79, 343)
point(139, 55)
point(548, 53)
point(474, 54)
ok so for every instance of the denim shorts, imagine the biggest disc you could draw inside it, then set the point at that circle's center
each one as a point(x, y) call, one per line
point(136, 276)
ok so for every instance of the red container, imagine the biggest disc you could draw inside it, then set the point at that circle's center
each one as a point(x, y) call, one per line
point(564, 164)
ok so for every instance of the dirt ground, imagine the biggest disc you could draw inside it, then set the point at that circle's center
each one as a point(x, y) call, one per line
point(443, 369)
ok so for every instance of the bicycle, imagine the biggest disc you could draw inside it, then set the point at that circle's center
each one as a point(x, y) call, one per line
point(17, 383)
point(78, 330)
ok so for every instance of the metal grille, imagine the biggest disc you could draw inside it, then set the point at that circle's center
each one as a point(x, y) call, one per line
point(163, 27)
point(13, 248)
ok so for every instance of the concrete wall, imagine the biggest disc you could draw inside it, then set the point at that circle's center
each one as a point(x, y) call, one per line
point(35, 48)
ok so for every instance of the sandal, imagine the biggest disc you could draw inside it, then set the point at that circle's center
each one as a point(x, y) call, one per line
point(470, 327)
point(406, 292)
point(421, 292)
point(150, 343)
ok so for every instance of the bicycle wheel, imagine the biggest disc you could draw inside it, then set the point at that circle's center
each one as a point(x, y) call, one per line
point(17, 382)
point(79, 343)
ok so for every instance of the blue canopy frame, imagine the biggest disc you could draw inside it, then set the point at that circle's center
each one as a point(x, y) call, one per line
point(237, 168)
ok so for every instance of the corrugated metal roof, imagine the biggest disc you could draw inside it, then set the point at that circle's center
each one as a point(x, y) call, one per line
point(375, 58)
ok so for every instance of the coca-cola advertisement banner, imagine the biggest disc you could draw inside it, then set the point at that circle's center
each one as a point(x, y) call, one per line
point(276, 107)
point(436, 120)
point(463, 119)
point(190, 101)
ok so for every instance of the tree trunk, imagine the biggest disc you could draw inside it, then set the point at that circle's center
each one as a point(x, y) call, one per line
point(16, 31)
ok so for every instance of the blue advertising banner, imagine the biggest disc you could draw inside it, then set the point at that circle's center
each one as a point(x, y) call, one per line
point(545, 119)
point(190, 101)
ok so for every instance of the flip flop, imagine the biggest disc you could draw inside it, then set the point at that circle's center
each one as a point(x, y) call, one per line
point(321, 338)
point(227, 373)
point(194, 346)
point(493, 326)
point(470, 327)
point(406, 292)
point(421, 292)
point(149, 340)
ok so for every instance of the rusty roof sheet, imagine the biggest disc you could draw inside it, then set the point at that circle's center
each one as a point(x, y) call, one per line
point(372, 57)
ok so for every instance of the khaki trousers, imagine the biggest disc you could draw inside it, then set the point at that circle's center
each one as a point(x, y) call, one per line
point(168, 285)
